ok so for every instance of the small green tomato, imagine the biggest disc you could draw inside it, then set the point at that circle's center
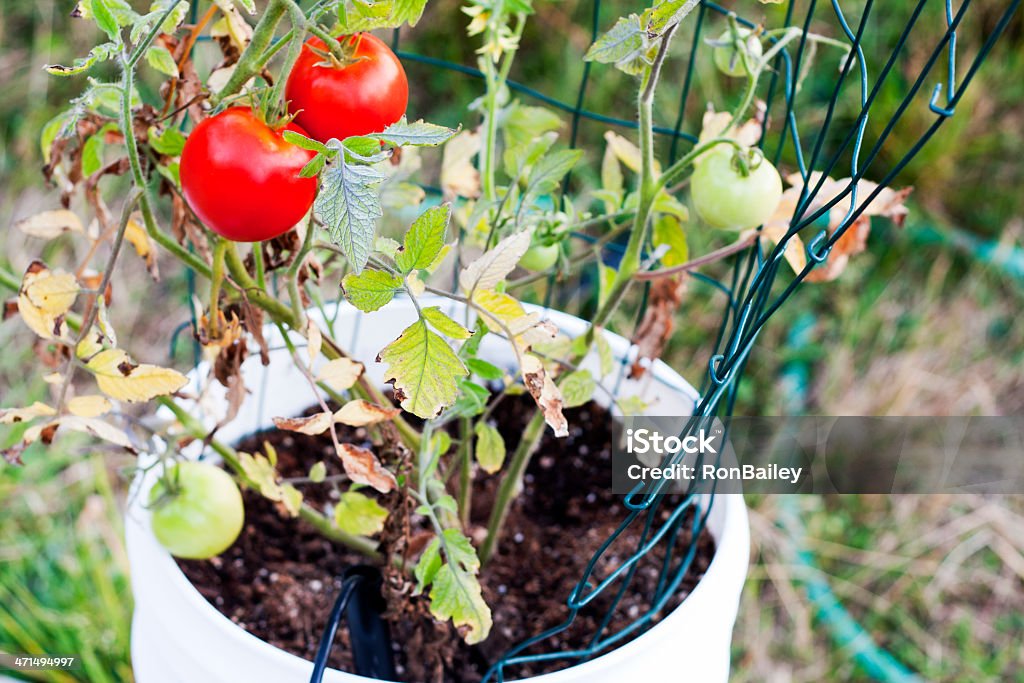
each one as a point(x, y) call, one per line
point(539, 257)
point(203, 517)
point(728, 58)
point(727, 199)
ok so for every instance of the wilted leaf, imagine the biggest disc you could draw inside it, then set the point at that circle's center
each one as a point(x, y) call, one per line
point(490, 447)
point(314, 340)
point(494, 265)
point(359, 515)
point(89, 406)
point(545, 393)
point(363, 467)
point(50, 224)
point(97, 428)
point(423, 369)
point(340, 374)
point(121, 379)
point(312, 425)
point(15, 415)
point(655, 329)
point(360, 413)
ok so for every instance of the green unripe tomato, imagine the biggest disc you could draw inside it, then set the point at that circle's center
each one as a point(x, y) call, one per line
point(203, 517)
point(727, 199)
point(728, 58)
point(539, 257)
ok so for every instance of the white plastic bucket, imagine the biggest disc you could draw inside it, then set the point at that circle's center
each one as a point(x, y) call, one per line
point(178, 637)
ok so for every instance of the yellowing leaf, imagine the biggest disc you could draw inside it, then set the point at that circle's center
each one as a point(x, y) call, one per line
point(312, 425)
point(445, 325)
point(314, 340)
point(423, 369)
point(119, 378)
point(491, 268)
point(490, 447)
point(360, 413)
point(137, 236)
point(44, 298)
point(14, 415)
point(340, 374)
point(89, 406)
point(627, 152)
point(359, 515)
point(459, 176)
point(50, 224)
point(97, 428)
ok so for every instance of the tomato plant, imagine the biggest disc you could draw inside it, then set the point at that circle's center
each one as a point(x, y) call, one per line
point(241, 177)
point(197, 510)
point(727, 198)
point(729, 54)
point(331, 99)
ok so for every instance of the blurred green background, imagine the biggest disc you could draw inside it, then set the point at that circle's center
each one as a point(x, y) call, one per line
point(926, 323)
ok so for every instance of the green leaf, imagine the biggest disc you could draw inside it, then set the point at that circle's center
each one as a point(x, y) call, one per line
point(669, 231)
point(423, 369)
point(548, 173)
point(418, 134)
point(315, 165)
point(577, 388)
point(318, 472)
point(490, 448)
point(604, 353)
point(605, 278)
point(484, 369)
point(408, 11)
point(57, 127)
point(359, 515)
point(626, 45)
point(459, 550)
point(447, 503)
point(445, 325)
point(159, 57)
point(300, 140)
point(424, 240)
point(364, 148)
point(105, 19)
point(426, 568)
point(440, 442)
point(668, 13)
point(472, 399)
point(387, 246)
point(349, 204)
point(456, 595)
point(371, 289)
point(170, 142)
point(524, 124)
point(92, 154)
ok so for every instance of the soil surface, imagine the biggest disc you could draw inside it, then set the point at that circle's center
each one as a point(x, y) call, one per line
point(280, 579)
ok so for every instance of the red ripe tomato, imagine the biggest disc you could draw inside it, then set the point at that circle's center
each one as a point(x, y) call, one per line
point(362, 97)
point(241, 176)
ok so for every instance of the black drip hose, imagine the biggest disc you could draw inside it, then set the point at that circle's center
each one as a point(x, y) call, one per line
point(361, 602)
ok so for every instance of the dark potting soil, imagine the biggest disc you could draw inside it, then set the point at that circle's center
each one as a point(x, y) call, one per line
point(280, 579)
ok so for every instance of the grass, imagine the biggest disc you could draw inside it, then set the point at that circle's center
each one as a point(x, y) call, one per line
point(913, 327)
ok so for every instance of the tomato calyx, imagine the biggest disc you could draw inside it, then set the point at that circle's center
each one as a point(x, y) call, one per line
point(347, 56)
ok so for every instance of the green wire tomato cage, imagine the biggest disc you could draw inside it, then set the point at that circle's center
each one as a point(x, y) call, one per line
point(758, 284)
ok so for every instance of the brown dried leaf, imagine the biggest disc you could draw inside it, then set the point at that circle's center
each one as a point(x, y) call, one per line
point(658, 323)
point(363, 467)
point(312, 425)
point(545, 392)
point(44, 298)
point(360, 413)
